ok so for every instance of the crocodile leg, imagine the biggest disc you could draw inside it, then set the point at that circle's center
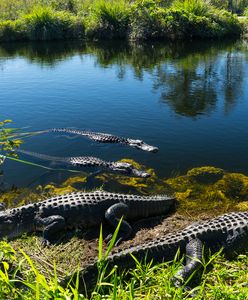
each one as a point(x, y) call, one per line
point(193, 261)
point(113, 215)
point(51, 225)
point(235, 243)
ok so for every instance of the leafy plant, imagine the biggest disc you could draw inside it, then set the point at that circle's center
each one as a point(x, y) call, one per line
point(8, 144)
point(108, 19)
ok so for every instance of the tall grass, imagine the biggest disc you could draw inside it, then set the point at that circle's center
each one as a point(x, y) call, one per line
point(108, 19)
point(196, 7)
point(20, 278)
point(45, 24)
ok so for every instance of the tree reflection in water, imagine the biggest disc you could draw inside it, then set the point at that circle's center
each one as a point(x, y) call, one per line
point(191, 77)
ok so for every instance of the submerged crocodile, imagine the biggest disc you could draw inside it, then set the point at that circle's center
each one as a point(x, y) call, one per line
point(105, 138)
point(229, 231)
point(90, 161)
point(81, 210)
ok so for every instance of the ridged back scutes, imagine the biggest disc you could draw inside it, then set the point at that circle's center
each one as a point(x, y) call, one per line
point(203, 230)
point(83, 198)
point(27, 209)
point(224, 223)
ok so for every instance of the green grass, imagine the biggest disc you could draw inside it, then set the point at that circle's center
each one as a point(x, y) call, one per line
point(112, 19)
point(20, 278)
point(108, 19)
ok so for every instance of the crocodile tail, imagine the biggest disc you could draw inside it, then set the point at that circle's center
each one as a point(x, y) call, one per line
point(43, 156)
point(70, 130)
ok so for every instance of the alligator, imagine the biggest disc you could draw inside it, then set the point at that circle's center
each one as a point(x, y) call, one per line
point(81, 210)
point(90, 161)
point(106, 138)
point(228, 232)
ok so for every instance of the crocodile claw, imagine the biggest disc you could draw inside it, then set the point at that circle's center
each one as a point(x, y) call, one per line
point(108, 239)
point(45, 242)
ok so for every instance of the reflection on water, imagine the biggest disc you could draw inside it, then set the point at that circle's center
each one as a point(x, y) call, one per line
point(132, 91)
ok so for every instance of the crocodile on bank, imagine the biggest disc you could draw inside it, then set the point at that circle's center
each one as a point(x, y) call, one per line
point(81, 210)
point(106, 138)
point(90, 161)
point(229, 231)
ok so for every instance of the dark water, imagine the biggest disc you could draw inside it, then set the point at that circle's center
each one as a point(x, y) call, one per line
point(190, 100)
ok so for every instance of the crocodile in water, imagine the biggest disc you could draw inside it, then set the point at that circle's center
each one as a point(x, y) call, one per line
point(81, 210)
point(106, 138)
point(90, 161)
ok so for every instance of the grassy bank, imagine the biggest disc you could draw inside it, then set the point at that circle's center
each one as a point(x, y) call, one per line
point(111, 19)
point(20, 278)
point(34, 272)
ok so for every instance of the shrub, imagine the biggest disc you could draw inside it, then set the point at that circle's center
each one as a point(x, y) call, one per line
point(46, 24)
point(195, 7)
point(11, 31)
point(108, 19)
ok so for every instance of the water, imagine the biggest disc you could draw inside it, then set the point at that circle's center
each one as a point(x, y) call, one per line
point(190, 100)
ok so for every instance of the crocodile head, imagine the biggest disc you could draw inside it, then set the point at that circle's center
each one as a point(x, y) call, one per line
point(139, 144)
point(128, 169)
point(8, 226)
point(11, 226)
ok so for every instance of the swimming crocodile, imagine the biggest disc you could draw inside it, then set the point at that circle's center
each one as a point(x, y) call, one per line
point(106, 138)
point(229, 231)
point(81, 210)
point(90, 161)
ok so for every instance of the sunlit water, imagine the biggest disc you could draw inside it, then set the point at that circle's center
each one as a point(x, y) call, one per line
point(190, 100)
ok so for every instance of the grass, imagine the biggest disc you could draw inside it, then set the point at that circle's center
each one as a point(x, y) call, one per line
point(112, 19)
point(20, 278)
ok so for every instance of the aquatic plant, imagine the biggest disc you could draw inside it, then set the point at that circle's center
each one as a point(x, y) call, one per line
point(234, 186)
point(8, 144)
point(206, 174)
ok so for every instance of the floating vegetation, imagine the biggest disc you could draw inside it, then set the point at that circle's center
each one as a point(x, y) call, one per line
point(206, 174)
point(234, 186)
point(8, 144)
point(202, 189)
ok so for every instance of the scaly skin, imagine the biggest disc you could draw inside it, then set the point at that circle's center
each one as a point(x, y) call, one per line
point(229, 232)
point(106, 138)
point(81, 210)
point(90, 161)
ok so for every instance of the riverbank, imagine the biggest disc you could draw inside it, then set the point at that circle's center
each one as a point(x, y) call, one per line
point(20, 278)
point(102, 19)
point(202, 193)
point(244, 21)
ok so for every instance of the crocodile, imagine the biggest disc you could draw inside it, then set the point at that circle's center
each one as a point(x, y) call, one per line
point(90, 161)
point(228, 232)
point(82, 210)
point(106, 138)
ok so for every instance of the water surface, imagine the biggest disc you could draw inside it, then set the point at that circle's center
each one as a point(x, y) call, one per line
point(190, 100)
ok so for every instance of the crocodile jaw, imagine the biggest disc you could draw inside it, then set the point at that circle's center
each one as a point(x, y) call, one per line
point(11, 227)
point(139, 144)
point(128, 169)
point(141, 174)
